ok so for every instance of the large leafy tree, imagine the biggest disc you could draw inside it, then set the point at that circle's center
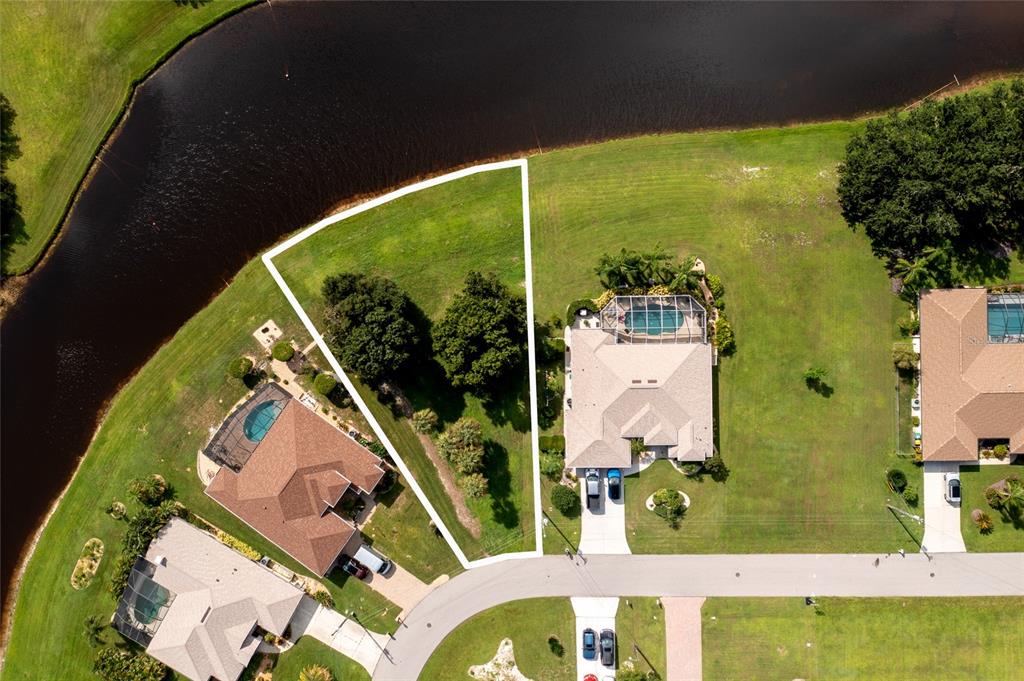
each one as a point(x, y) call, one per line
point(370, 324)
point(10, 218)
point(946, 178)
point(482, 336)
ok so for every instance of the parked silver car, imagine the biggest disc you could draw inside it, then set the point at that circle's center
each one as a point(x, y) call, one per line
point(952, 488)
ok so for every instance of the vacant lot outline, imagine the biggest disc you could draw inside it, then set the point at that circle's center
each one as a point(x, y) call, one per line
point(268, 260)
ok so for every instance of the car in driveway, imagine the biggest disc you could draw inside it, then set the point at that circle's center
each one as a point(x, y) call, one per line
point(589, 644)
point(353, 567)
point(614, 476)
point(608, 647)
point(593, 482)
point(952, 487)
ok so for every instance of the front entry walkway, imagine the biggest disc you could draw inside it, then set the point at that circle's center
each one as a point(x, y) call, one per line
point(603, 529)
point(596, 614)
point(345, 635)
point(683, 638)
point(941, 518)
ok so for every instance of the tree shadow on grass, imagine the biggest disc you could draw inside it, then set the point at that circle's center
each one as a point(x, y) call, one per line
point(428, 388)
point(499, 484)
point(509, 403)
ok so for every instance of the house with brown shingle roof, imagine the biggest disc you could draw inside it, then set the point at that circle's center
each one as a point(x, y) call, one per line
point(289, 486)
point(972, 374)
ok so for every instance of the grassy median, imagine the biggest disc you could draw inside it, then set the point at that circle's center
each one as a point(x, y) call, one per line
point(904, 639)
point(69, 68)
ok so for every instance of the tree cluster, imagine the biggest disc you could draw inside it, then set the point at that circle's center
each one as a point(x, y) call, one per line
point(113, 664)
point(939, 191)
point(369, 324)
point(482, 337)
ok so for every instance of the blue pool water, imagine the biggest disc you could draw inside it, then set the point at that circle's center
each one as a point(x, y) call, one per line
point(655, 320)
point(260, 419)
point(1006, 317)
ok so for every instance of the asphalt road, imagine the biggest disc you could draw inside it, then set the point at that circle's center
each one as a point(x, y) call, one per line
point(476, 590)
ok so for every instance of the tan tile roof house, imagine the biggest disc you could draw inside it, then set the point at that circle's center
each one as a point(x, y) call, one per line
point(209, 600)
point(972, 388)
point(628, 383)
point(288, 487)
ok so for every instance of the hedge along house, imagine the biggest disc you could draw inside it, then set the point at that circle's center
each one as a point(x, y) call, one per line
point(286, 472)
point(639, 370)
point(972, 373)
point(199, 606)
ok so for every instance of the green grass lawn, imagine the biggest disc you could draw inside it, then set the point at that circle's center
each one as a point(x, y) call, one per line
point(529, 623)
point(68, 68)
point(560, 532)
point(427, 242)
point(903, 639)
point(1008, 533)
point(640, 622)
point(308, 651)
point(802, 290)
point(157, 424)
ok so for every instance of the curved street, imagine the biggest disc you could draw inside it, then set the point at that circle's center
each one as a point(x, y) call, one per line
point(445, 608)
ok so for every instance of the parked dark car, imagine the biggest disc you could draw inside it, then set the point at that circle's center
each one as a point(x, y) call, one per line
point(593, 482)
point(614, 483)
point(608, 648)
point(589, 644)
point(353, 567)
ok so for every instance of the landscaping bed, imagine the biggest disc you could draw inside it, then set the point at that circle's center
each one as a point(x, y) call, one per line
point(1008, 531)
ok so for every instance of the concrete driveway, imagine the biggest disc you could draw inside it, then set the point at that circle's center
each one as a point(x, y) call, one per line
point(603, 529)
point(346, 636)
point(596, 614)
point(941, 518)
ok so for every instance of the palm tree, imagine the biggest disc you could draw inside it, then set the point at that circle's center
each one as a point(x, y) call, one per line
point(1013, 493)
point(686, 278)
point(932, 268)
point(316, 672)
point(93, 630)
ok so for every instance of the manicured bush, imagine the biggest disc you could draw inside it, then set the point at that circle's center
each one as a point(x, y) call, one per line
point(556, 646)
point(112, 664)
point(716, 468)
point(283, 351)
point(424, 421)
point(1000, 451)
point(904, 357)
point(994, 497)
point(552, 465)
point(565, 500)
point(473, 485)
point(324, 598)
point(148, 491)
point(915, 421)
point(577, 305)
point(239, 368)
point(324, 384)
point(910, 494)
point(909, 325)
point(714, 283)
point(897, 479)
point(725, 341)
point(551, 443)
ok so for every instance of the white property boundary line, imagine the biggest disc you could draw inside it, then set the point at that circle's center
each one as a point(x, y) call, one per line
point(318, 338)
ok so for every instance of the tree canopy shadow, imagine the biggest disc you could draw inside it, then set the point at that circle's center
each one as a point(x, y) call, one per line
point(499, 484)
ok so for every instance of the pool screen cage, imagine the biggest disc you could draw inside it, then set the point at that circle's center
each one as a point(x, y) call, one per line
point(229, 446)
point(655, 319)
point(143, 605)
point(1006, 318)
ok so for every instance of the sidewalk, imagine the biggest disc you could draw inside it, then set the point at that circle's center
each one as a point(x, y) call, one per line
point(683, 638)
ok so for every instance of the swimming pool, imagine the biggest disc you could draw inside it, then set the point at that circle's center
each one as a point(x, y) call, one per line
point(260, 419)
point(1006, 318)
point(654, 320)
point(148, 601)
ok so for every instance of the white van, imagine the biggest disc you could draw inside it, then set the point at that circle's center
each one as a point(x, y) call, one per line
point(371, 560)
